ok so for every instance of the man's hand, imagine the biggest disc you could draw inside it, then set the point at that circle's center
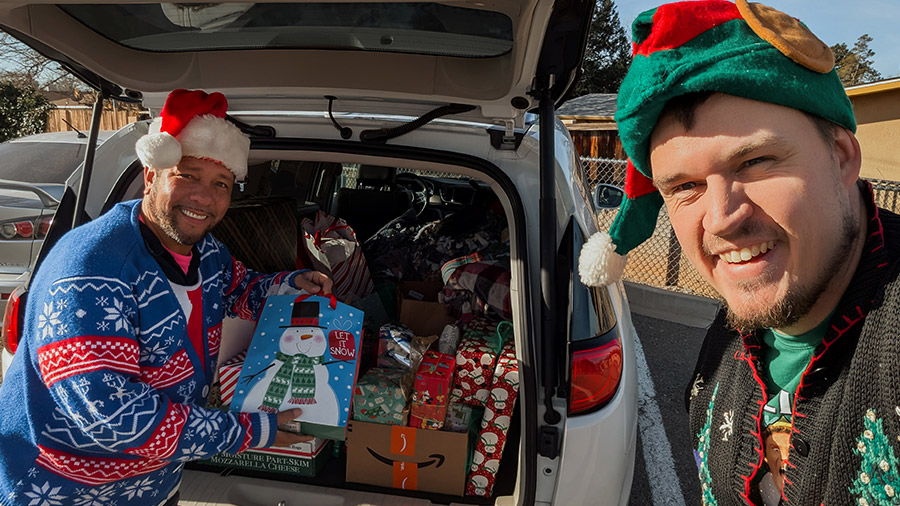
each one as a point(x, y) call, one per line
point(313, 282)
point(285, 438)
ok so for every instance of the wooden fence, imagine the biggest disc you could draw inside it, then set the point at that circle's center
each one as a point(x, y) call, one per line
point(596, 142)
point(80, 118)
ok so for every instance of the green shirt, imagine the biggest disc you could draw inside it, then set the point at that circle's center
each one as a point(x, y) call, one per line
point(786, 357)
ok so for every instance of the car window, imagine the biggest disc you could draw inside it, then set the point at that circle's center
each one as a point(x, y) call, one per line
point(39, 162)
point(411, 27)
point(596, 314)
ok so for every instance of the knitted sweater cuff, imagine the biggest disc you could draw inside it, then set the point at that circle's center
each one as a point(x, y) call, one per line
point(264, 427)
point(291, 276)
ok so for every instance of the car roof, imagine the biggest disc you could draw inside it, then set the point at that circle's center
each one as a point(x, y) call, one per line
point(68, 136)
point(430, 57)
point(49, 157)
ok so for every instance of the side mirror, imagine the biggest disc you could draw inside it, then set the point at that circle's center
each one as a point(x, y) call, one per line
point(607, 196)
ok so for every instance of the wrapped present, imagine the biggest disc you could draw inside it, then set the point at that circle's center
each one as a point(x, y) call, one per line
point(395, 345)
point(462, 417)
point(431, 392)
point(495, 424)
point(380, 397)
point(475, 360)
point(229, 372)
point(505, 387)
point(449, 340)
point(299, 459)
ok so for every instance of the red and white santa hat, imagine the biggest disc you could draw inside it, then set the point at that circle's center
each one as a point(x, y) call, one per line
point(192, 123)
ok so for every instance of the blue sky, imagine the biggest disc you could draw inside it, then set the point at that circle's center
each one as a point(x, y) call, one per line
point(830, 20)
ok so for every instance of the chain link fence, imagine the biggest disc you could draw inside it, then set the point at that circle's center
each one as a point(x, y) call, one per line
point(659, 260)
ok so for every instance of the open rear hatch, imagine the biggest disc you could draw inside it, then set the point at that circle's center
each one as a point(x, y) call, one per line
point(482, 53)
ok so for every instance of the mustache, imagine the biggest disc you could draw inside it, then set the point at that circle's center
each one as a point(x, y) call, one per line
point(750, 229)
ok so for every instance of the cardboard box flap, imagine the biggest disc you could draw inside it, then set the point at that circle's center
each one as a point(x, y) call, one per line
point(419, 309)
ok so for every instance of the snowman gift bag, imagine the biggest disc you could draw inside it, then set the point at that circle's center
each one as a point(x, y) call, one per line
point(304, 354)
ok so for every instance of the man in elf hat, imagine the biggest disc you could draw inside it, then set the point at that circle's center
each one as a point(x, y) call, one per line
point(733, 117)
point(106, 398)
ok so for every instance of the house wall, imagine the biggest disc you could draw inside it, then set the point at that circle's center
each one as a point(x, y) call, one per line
point(878, 131)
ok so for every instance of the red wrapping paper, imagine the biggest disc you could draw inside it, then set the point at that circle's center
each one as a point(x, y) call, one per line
point(432, 391)
point(495, 424)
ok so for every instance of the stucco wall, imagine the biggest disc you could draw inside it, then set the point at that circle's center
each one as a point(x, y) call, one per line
point(878, 131)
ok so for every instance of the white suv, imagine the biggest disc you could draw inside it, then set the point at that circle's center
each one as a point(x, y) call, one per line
point(441, 94)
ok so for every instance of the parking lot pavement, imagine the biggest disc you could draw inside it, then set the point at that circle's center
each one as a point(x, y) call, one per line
point(669, 343)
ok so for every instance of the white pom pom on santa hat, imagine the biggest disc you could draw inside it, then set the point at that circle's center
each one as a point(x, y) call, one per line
point(158, 149)
point(599, 264)
point(192, 123)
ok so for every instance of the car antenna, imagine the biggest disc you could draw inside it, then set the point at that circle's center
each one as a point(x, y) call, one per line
point(79, 133)
point(382, 135)
point(346, 132)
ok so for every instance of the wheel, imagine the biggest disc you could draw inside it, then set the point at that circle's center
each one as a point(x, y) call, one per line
point(417, 189)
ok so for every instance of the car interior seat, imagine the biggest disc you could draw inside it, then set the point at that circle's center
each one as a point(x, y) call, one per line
point(261, 232)
point(375, 201)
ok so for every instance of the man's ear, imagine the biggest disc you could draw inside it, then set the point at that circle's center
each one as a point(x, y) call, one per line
point(849, 155)
point(150, 174)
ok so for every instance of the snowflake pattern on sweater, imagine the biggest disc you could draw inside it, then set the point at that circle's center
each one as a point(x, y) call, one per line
point(105, 400)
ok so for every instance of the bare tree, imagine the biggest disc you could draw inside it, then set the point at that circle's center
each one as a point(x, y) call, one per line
point(25, 67)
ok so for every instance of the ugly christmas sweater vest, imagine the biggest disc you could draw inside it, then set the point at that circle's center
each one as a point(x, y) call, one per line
point(845, 437)
point(105, 399)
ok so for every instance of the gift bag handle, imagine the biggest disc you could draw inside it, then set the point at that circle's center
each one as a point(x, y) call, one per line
point(501, 339)
point(332, 302)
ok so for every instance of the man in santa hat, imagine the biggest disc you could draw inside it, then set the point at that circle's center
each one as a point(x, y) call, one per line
point(733, 116)
point(106, 398)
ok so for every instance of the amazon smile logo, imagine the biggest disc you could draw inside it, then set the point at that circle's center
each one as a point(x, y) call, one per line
point(436, 459)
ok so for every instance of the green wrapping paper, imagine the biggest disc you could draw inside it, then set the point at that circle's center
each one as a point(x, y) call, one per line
point(380, 397)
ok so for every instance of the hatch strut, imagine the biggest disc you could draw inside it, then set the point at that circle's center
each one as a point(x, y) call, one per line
point(88, 167)
point(382, 135)
point(548, 239)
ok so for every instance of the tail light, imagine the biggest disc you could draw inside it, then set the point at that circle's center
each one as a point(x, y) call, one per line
point(26, 228)
point(596, 373)
point(9, 332)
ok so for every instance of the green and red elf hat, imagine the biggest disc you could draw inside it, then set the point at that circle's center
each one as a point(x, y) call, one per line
point(743, 49)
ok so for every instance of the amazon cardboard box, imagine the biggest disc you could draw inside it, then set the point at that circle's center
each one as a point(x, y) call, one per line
point(407, 458)
point(419, 309)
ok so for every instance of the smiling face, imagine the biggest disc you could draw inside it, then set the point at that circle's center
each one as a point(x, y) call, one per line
point(309, 341)
point(182, 204)
point(763, 207)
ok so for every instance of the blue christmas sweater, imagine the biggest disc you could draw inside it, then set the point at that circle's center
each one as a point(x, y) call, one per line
point(105, 399)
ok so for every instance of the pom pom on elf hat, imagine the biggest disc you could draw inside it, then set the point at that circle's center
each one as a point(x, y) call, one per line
point(744, 49)
point(192, 123)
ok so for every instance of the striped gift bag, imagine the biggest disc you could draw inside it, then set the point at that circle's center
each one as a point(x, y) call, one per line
point(228, 376)
point(332, 248)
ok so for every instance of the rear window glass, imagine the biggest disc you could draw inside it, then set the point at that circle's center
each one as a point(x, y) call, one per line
point(39, 162)
point(420, 28)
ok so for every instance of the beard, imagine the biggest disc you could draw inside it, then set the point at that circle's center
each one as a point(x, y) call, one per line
point(799, 301)
point(166, 220)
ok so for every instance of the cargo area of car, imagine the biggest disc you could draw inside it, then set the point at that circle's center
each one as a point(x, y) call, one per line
point(434, 249)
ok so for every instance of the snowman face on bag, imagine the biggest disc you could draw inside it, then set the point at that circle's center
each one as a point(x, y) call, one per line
point(309, 341)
